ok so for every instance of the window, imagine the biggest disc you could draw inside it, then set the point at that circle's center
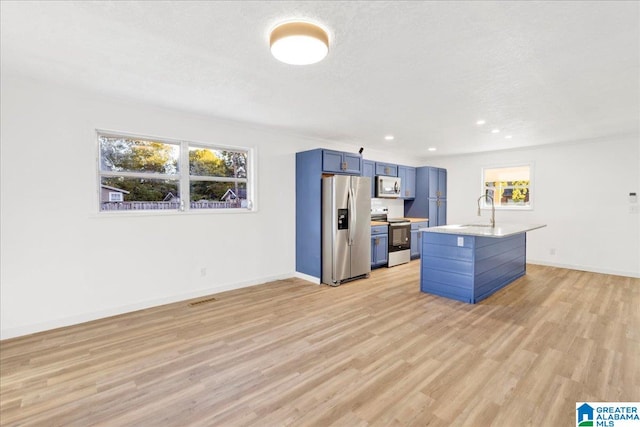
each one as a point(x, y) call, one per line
point(115, 197)
point(217, 178)
point(509, 186)
point(137, 173)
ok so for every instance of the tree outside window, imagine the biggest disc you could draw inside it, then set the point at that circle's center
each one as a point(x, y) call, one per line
point(147, 175)
point(510, 186)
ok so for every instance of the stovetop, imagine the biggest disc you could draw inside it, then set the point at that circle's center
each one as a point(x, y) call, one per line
point(397, 220)
point(382, 214)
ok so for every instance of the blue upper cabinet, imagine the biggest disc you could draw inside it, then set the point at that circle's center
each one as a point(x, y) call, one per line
point(369, 169)
point(437, 183)
point(340, 162)
point(386, 169)
point(407, 177)
point(442, 183)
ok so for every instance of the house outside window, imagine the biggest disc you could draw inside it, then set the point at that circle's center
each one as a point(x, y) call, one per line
point(511, 187)
point(148, 174)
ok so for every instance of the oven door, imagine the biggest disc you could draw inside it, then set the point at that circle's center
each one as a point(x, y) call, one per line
point(399, 237)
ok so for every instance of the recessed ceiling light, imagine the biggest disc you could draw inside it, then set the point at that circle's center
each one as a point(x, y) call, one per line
point(299, 43)
point(480, 122)
point(389, 137)
point(495, 131)
point(508, 137)
point(431, 149)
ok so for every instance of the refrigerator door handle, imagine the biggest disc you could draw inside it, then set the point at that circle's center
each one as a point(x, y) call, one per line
point(352, 214)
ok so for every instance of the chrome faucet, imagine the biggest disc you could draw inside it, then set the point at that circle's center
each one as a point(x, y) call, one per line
point(493, 208)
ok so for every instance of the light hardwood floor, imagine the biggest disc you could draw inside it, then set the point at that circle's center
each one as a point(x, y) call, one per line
point(370, 352)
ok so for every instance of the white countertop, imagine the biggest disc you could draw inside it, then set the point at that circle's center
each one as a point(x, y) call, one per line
point(484, 230)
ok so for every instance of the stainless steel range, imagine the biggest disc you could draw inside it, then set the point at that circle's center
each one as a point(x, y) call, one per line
point(399, 237)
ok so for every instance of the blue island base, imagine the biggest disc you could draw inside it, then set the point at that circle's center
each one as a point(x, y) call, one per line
point(470, 268)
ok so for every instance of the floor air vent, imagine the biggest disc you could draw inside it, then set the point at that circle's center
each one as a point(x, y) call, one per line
point(202, 301)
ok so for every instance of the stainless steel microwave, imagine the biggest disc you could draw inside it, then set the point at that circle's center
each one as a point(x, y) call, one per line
point(388, 186)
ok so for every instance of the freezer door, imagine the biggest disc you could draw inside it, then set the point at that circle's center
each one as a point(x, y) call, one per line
point(360, 231)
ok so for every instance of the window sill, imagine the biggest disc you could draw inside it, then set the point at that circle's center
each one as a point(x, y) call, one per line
point(133, 214)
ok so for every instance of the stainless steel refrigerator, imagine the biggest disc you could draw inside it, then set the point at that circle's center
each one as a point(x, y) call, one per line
point(346, 228)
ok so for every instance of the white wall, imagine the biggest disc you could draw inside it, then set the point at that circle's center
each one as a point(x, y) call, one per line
point(581, 193)
point(54, 246)
point(56, 249)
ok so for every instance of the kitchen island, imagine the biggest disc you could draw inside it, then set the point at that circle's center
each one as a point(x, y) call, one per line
point(470, 262)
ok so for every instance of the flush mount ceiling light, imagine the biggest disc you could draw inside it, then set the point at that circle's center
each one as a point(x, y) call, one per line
point(480, 122)
point(299, 43)
point(389, 137)
point(431, 149)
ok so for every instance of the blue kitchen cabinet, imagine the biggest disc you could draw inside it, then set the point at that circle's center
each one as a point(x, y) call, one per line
point(386, 169)
point(340, 162)
point(431, 196)
point(369, 170)
point(436, 183)
point(407, 177)
point(310, 165)
point(379, 246)
point(416, 238)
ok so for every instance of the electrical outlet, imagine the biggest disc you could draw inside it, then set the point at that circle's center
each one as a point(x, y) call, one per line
point(633, 209)
point(203, 271)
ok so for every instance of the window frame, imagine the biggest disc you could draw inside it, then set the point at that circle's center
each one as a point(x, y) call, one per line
point(182, 177)
point(509, 207)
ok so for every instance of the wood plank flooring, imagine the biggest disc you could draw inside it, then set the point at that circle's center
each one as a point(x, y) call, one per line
point(370, 352)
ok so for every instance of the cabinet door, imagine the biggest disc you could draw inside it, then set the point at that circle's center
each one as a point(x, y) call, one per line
point(339, 162)
point(332, 161)
point(379, 250)
point(382, 249)
point(433, 183)
point(433, 212)
point(442, 183)
point(352, 162)
point(369, 170)
point(442, 212)
point(407, 176)
point(386, 169)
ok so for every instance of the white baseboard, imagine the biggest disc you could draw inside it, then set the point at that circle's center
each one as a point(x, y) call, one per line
point(585, 268)
point(308, 278)
point(101, 314)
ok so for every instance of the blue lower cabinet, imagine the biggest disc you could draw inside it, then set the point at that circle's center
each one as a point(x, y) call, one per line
point(379, 246)
point(369, 169)
point(416, 238)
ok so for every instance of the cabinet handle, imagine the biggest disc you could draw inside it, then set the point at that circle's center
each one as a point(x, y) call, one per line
point(377, 241)
point(343, 166)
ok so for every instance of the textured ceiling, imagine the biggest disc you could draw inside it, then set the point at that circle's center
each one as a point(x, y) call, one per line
point(543, 72)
